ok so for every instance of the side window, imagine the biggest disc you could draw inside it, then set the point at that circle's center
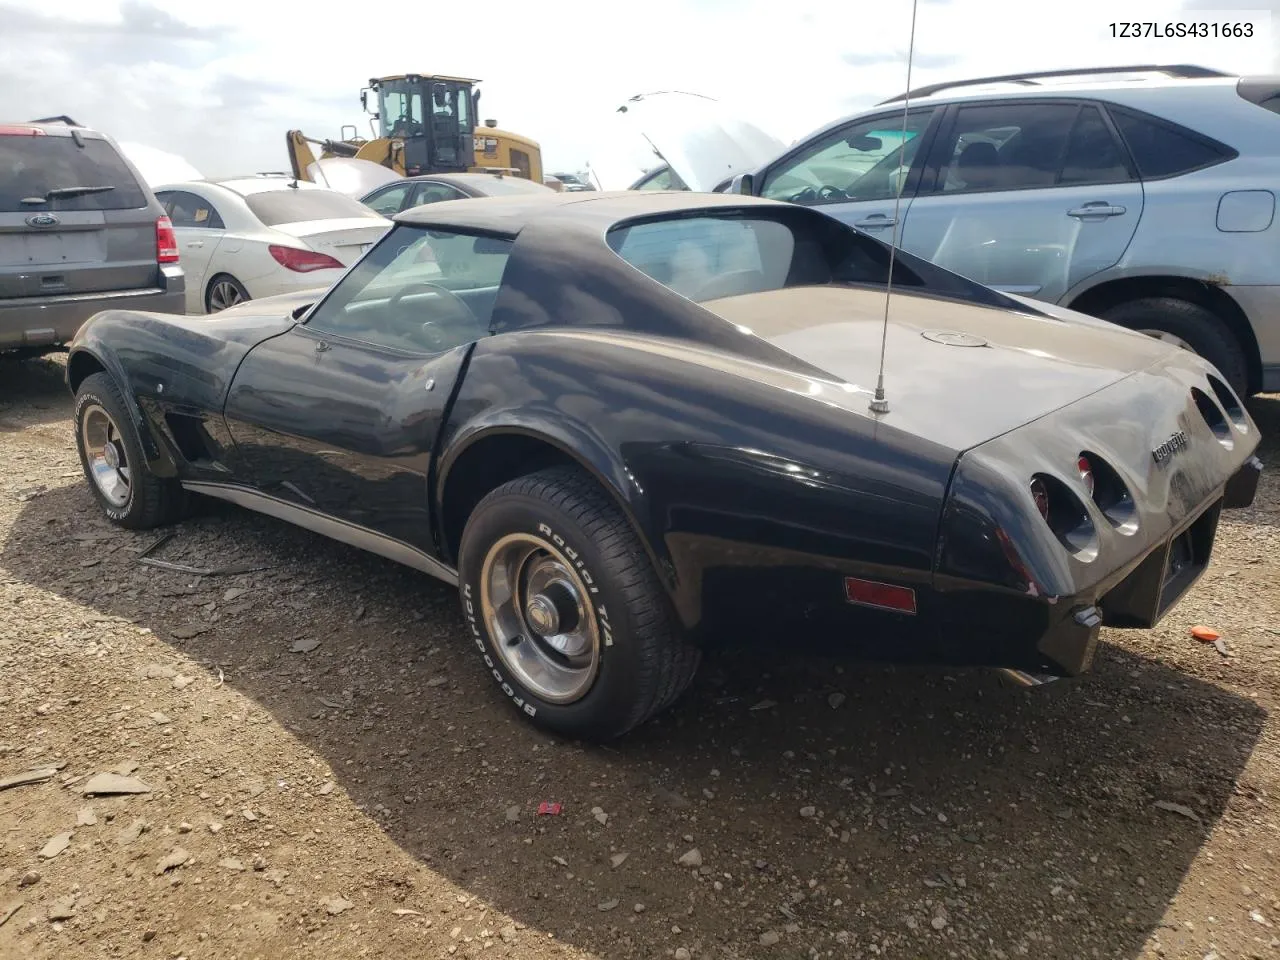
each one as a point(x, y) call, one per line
point(1008, 146)
point(867, 160)
point(1162, 149)
point(1093, 155)
point(431, 192)
point(391, 200)
point(188, 210)
point(418, 290)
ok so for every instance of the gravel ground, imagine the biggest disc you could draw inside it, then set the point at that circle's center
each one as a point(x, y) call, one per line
point(332, 775)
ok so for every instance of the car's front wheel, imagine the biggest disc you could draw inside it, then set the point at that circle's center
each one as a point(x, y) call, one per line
point(111, 454)
point(566, 610)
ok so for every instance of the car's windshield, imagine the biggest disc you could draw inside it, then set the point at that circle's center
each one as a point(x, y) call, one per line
point(287, 205)
point(867, 161)
point(411, 256)
point(418, 290)
point(41, 173)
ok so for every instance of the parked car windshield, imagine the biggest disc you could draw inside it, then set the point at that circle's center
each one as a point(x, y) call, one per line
point(33, 166)
point(287, 205)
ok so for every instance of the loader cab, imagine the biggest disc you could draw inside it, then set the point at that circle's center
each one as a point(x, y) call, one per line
point(433, 116)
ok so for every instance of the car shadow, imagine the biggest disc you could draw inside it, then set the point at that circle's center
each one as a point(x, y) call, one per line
point(36, 387)
point(825, 799)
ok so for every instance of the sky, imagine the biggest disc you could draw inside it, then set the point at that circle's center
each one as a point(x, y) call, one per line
point(220, 83)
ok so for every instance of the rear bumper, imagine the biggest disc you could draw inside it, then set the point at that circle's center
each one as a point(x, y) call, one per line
point(36, 322)
point(968, 623)
point(1154, 585)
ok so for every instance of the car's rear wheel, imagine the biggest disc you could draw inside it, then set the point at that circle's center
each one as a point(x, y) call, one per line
point(224, 291)
point(566, 609)
point(111, 454)
point(1189, 326)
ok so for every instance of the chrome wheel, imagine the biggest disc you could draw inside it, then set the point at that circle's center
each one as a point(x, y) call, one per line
point(536, 608)
point(105, 453)
point(223, 294)
point(1170, 338)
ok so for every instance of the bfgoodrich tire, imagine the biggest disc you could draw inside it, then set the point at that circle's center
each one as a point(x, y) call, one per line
point(111, 455)
point(565, 608)
point(1191, 325)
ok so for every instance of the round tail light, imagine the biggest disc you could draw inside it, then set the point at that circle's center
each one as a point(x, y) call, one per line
point(1040, 493)
point(1086, 473)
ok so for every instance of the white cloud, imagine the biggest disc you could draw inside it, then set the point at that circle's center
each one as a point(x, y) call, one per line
point(220, 83)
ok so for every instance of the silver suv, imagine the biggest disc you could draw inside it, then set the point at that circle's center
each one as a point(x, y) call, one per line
point(1143, 195)
point(79, 232)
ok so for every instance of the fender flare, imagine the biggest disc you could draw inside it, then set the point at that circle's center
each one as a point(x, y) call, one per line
point(160, 459)
point(581, 445)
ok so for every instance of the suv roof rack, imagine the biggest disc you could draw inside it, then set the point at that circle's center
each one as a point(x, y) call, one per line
point(61, 118)
point(1180, 71)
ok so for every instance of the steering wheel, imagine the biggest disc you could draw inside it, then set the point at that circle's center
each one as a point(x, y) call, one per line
point(823, 193)
point(429, 331)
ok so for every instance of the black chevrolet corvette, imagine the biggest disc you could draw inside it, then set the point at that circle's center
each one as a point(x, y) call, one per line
point(628, 424)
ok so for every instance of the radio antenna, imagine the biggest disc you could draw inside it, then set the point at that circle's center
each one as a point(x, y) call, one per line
point(879, 402)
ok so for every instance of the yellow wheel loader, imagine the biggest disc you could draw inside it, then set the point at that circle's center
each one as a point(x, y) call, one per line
point(424, 124)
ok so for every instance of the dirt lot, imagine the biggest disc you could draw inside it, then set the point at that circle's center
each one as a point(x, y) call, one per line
point(333, 775)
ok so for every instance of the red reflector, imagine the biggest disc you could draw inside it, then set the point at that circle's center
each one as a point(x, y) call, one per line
point(1040, 493)
point(886, 596)
point(166, 241)
point(18, 130)
point(1086, 473)
point(303, 261)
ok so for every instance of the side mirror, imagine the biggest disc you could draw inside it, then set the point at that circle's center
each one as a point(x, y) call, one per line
point(364, 99)
point(744, 183)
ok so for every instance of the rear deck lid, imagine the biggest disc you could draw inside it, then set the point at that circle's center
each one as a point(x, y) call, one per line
point(956, 373)
point(73, 216)
point(344, 240)
point(324, 220)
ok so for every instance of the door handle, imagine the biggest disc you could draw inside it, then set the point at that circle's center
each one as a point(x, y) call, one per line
point(874, 221)
point(321, 346)
point(1099, 208)
point(195, 243)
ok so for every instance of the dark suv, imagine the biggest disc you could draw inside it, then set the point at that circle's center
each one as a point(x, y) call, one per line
point(80, 232)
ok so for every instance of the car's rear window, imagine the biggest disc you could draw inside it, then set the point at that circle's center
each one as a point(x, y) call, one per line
point(503, 186)
point(727, 253)
point(288, 205)
point(32, 166)
point(1163, 149)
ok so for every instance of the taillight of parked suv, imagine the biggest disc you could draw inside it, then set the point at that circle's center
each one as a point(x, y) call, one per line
point(166, 241)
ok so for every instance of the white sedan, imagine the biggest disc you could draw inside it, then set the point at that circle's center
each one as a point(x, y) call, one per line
point(259, 236)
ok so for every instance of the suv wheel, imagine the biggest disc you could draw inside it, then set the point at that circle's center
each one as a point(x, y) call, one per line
point(1189, 326)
